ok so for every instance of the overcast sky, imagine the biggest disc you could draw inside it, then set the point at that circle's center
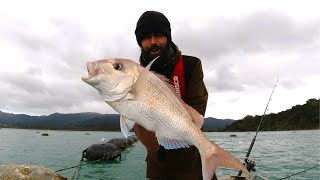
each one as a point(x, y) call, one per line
point(244, 46)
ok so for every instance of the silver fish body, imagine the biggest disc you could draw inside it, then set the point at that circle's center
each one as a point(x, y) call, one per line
point(143, 97)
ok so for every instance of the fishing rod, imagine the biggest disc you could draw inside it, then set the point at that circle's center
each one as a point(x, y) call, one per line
point(249, 164)
point(299, 172)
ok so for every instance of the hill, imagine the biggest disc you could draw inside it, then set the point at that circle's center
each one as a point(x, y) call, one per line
point(299, 117)
point(214, 124)
point(82, 121)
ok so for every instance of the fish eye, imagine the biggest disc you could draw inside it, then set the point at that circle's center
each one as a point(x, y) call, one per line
point(117, 66)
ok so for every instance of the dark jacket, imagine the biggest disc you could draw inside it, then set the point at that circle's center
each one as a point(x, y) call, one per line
point(184, 163)
point(196, 92)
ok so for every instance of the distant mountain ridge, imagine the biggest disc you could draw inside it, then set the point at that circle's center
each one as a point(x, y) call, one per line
point(83, 121)
point(214, 124)
point(299, 117)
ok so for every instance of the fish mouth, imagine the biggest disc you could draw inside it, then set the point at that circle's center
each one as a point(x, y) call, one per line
point(92, 69)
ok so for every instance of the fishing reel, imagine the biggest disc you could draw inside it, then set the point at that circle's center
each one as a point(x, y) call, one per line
point(250, 165)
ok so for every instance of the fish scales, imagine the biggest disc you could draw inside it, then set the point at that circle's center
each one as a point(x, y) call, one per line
point(172, 112)
point(143, 97)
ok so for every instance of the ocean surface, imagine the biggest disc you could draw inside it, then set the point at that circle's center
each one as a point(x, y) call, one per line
point(276, 154)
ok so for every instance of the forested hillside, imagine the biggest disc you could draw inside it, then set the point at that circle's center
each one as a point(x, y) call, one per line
point(299, 117)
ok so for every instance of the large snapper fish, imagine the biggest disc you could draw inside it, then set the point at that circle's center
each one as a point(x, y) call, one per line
point(146, 98)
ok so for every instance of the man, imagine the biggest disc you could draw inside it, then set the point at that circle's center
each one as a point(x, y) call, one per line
point(153, 34)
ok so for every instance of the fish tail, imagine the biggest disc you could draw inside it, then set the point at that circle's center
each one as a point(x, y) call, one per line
point(215, 157)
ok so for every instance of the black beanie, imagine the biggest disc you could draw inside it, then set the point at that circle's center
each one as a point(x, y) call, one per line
point(152, 22)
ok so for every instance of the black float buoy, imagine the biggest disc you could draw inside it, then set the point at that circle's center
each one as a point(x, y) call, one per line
point(121, 143)
point(109, 150)
point(104, 151)
point(133, 138)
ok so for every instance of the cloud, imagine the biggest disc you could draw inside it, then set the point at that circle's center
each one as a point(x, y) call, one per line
point(45, 54)
point(253, 33)
point(252, 50)
point(53, 56)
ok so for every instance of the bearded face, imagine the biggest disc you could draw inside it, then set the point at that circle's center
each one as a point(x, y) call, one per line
point(154, 51)
point(153, 45)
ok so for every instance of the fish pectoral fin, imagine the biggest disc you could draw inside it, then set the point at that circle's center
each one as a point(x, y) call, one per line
point(126, 125)
point(196, 117)
point(171, 143)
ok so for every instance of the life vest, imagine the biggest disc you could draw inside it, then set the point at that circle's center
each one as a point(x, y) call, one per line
point(178, 79)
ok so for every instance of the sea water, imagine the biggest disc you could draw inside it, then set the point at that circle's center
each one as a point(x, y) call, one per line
point(277, 154)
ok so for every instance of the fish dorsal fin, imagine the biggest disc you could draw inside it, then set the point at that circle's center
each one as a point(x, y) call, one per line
point(126, 125)
point(141, 80)
point(151, 62)
point(171, 143)
point(142, 74)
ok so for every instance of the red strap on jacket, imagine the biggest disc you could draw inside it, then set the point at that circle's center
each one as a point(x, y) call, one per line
point(177, 78)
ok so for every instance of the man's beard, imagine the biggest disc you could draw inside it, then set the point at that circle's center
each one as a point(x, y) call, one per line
point(164, 64)
point(146, 54)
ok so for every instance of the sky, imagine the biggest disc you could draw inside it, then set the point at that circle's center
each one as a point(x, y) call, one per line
point(244, 46)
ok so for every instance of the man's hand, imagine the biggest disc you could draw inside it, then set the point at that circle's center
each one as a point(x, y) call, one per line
point(147, 138)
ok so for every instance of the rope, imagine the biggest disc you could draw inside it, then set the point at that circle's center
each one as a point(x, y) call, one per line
point(67, 168)
point(76, 165)
point(79, 165)
point(72, 166)
point(299, 172)
point(76, 170)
